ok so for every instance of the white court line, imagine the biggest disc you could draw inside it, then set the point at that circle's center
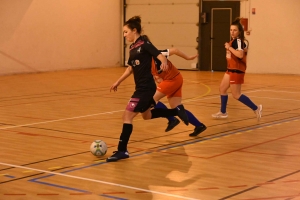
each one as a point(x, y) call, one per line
point(97, 181)
point(278, 91)
point(57, 120)
point(78, 117)
point(214, 97)
point(276, 98)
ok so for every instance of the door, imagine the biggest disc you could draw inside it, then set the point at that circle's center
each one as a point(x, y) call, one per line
point(215, 32)
point(220, 23)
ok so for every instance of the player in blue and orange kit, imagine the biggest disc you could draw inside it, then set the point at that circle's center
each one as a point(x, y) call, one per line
point(234, 76)
point(169, 83)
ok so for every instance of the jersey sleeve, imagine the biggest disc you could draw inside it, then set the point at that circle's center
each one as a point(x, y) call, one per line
point(148, 46)
point(165, 52)
point(237, 44)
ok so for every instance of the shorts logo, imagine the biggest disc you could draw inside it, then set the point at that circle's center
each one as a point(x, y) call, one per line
point(137, 62)
point(132, 105)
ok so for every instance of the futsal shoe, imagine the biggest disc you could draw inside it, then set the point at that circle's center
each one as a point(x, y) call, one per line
point(182, 114)
point(172, 124)
point(220, 115)
point(118, 155)
point(198, 130)
point(258, 112)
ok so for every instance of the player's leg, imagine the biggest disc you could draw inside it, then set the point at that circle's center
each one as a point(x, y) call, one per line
point(172, 121)
point(165, 88)
point(199, 127)
point(132, 109)
point(236, 90)
point(122, 152)
point(225, 84)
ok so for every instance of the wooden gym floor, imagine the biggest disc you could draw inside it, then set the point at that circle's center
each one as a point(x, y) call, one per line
point(49, 120)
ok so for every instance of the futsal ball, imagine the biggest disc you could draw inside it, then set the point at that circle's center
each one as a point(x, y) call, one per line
point(98, 148)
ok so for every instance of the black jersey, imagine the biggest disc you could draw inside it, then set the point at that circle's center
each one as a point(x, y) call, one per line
point(141, 53)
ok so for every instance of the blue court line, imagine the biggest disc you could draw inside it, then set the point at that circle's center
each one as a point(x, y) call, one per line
point(59, 186)
point(9, 176)
point(161, 149)
point(228, 133)
point(108, 196)
point(70, 188)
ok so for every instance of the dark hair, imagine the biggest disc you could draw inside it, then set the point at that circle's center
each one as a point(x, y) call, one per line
point(135, 23)
point(237, 22)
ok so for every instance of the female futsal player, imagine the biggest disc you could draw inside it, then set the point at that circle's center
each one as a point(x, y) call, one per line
point(141, 53)
point(234, 76)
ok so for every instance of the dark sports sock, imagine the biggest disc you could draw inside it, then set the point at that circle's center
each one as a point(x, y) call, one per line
point(245, 100)
point(161, 105)
point(124, 138)
point(192, 119)
point(224, 99)
point(161, 112)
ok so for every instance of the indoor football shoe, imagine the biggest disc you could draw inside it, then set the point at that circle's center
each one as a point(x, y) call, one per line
point(118, 155)
point(220, 115)
point(172, 124)
point(198, 130)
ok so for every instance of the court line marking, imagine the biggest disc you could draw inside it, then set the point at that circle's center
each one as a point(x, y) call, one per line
point(112, 112)
point(57, 120)
point(276, 98)
point(98, 181)
point(278, 91)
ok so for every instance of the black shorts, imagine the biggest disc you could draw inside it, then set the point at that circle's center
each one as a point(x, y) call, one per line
point(141, 101)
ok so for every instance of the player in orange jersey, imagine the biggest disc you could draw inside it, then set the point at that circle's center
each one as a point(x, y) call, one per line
point(169, 84)
point(234, 76)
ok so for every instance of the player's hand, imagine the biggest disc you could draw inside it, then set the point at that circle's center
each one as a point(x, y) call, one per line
point(192, 57)
point(114, 87)
point(227, 45)
point(164, 66)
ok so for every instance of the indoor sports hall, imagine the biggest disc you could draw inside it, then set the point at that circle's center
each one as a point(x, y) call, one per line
point(58, 60)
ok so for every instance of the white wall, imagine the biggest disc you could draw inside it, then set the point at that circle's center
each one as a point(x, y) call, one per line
point(49, 35)
point(274, 37)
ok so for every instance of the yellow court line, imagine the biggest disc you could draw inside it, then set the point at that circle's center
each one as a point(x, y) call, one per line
point(3, 174)
point(27, 171)
point(203, 95)
point(78, 164)
point(55, 167)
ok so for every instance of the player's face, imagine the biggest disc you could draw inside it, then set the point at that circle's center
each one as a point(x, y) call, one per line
point(234, 31)
point(128, 34)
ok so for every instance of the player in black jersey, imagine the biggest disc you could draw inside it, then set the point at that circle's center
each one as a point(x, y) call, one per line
point(140, 58)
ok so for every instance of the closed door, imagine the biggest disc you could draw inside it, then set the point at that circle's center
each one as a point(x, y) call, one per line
point(215, 32)
point(220, 23)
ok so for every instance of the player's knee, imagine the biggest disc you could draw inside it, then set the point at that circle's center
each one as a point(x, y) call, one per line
point(236, 96)
point(146, 115)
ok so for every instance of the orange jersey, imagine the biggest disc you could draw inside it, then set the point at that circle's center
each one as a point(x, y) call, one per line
point(165, 75)
point(234, 62)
